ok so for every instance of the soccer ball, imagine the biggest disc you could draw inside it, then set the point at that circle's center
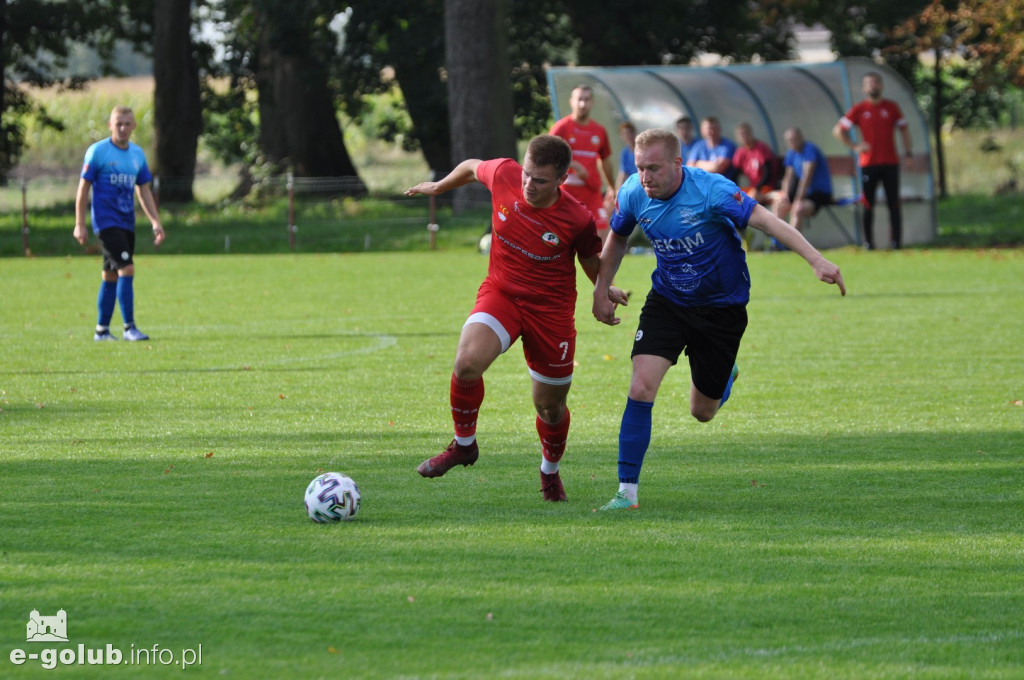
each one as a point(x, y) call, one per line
point(484, 245)
point(332, 497)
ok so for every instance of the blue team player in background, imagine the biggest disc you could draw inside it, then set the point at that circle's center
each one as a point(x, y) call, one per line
point(700, 286)
point(116, 168)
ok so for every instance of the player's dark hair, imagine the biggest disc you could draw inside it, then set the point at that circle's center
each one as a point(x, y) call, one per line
point(549, 150)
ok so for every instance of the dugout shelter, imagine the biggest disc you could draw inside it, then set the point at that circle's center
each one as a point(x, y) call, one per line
point(771, 97)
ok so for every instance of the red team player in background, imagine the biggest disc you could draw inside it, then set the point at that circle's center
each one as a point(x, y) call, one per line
point(592, 162)
point(529, 294)
point(877, 118)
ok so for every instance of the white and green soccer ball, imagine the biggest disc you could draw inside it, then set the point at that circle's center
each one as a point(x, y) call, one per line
point(332, 497)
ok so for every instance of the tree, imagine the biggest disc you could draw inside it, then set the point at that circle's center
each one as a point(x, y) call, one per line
point(863, 28)
point(284, 51)
point(178, 117)
point(385, 34)
point(298, 117)
point(978, 43)
point(479, 93)
point(35, 42)
point(676, 31)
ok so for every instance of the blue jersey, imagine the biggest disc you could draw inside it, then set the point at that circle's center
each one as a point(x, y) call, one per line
point(702, 151)
point(627, 162)
point(114, 172)
point(821, 180)
point(700, 258)
point(685, 148)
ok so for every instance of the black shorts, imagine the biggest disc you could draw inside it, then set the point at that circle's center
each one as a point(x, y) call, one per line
point(118, 248)
point(710, 336)
point(818, 198)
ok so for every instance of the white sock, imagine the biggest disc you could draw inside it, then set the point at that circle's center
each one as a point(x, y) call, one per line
point(547, 467)
point(465, 441)
point(629, 490)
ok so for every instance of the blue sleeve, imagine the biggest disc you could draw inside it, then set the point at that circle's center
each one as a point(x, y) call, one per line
point(623, 220)
point(730, 202)
point(90, 165)
point(145, 176)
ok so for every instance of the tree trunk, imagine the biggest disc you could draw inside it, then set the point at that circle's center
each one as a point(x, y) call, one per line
point(479, 87)
point(177, 113)
point(5, 150)
point(940, 155)
point(425, 100)
point(299, 126)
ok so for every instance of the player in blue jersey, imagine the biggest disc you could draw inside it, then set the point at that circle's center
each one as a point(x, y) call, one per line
point(700, 286)
point(115, 169)
point(807, 183)
point(712, 152)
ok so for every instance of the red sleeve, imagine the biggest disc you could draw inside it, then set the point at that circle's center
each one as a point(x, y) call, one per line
point(486, 171)
point(901, 120)
point(588, 243)
point(853, 115)
point(556, 129)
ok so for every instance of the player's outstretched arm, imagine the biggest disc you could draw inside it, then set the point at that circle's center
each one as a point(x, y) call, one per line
point(771, 225)
point(463, 174)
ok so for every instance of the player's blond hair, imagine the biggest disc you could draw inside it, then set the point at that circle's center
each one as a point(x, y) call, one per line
point(121, 111)
point(649, 138)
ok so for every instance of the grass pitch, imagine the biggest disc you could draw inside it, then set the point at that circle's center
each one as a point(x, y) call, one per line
point(856, 511)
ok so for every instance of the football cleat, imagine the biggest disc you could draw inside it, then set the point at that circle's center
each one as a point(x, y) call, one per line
point(133, 334)
point(103, 336)
point(620, 502)
point(551, 487)
point(455, 454)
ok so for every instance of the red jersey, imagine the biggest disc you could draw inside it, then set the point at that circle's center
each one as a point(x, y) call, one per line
point(877, 123)
point(589, 145)
point(533, 250)
point(757, 164)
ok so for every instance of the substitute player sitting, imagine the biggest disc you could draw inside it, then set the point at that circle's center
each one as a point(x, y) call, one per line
point(806, 184)
point(529, 294)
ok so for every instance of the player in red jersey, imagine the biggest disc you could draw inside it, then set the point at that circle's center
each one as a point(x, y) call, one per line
point(756, 161)
point(877, 118)
point(529, 294)
point(592, 163)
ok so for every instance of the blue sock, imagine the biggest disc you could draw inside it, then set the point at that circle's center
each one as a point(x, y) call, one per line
point(634, 438)
point(126, 296)
point(728, 388)
point(105, 302)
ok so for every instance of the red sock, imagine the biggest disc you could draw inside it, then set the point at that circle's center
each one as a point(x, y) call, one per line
point(553, 437)
point(466, 397)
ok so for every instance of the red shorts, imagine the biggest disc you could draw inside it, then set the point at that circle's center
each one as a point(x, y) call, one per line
point(594, 200)
point(548, 334)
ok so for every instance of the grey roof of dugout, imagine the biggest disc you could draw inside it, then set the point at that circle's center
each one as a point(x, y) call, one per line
point(771, 97)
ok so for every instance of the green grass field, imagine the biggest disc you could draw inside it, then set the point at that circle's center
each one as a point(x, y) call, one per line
point(856, 511)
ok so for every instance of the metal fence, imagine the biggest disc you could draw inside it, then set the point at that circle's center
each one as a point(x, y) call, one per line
point(323, 213)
